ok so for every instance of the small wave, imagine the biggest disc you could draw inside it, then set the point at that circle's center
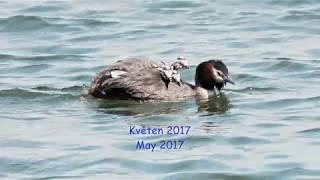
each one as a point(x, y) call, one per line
point(286, 103)
point(21, 143)
point(95, 22)
point(107, 37)
point(44, 8)
point(41, 91)
point(295, 16)
point(313, 132)
point(88, 38)
point(254, 89)
point(149, 166)
point(171, 7)
point(6, 56)
point(306, 75)
point(175, 4)
point(293, 3)
point(163, 26)
point(286, 66)
point(244, 140)
point(32, 68)
point(269, 125)
point(66, 57)
point(244, 77)
point(22, 93)
point(59, 177)
point(72, 90)
point(65, 89)
point(23, 23)
point(287, 173)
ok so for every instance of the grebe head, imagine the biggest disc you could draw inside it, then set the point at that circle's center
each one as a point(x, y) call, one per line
point(211, 74)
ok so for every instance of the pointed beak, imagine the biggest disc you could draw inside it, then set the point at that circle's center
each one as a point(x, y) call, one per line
point(228, 80)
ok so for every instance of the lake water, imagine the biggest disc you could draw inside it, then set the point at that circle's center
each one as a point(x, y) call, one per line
point(267, 126)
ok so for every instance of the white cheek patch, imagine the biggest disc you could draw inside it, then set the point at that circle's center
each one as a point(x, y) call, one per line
point(117, 73)
point(216, 76)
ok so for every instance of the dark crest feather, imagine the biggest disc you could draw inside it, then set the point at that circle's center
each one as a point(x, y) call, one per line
point(220, 66)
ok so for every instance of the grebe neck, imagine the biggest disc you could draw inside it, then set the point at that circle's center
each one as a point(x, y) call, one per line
point(201, 93)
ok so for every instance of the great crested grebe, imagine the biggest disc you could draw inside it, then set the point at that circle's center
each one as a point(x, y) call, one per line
point(146, 80)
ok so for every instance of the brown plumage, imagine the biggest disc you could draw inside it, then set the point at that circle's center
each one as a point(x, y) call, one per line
point(140, 79)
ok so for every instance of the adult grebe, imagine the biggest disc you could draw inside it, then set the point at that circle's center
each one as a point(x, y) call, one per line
point(144, 79)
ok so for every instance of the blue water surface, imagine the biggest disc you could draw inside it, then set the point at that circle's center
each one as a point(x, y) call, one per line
point(265, 127)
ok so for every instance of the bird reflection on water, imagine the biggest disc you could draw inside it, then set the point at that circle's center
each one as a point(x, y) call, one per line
point(216, 104)
point(134, 108)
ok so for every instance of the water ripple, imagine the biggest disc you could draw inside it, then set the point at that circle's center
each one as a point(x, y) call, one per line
point(23, 23)
point(264, 127)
